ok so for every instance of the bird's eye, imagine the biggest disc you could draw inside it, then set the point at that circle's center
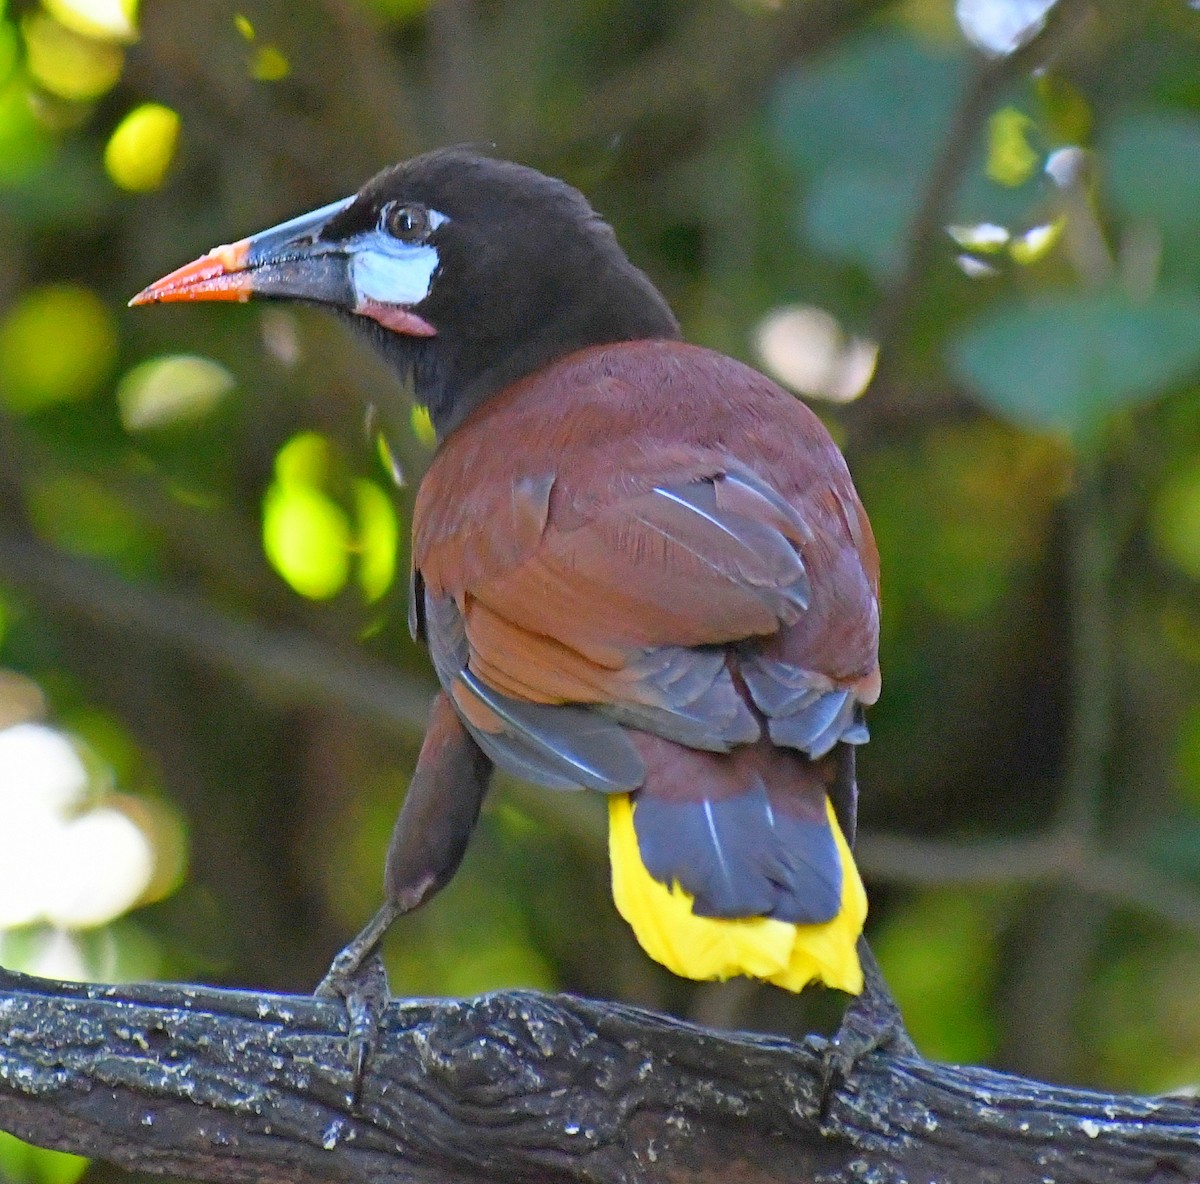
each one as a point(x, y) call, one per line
point(408, 223)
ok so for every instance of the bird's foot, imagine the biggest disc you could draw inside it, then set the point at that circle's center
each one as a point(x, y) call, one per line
point(872, 1021)
point(357, 977)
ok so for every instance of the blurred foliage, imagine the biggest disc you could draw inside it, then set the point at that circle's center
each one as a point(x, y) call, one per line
point(140, 149)
point(20, 1161)
point(1038, 324)
point(58, 344)
point(1067, 362)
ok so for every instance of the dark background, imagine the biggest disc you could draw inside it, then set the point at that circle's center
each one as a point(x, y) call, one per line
point(1029, 452)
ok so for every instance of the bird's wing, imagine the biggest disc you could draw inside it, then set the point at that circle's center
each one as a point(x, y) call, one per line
point(631, 610)
point(650, 535)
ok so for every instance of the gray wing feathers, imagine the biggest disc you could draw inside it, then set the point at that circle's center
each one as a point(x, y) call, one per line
point(558, 747)
point(802, 711)
point(572, 743)
point(754, 554)
point(691, 699)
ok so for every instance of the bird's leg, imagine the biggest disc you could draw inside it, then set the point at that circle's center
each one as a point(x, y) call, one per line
point(354, 956)
point(871, 1021)
point(427, 845)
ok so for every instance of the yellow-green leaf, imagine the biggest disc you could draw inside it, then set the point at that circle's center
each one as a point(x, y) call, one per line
point(270, 64)
point(67, 63)
point(140, 150)
point(378, 539)
point(37, 1165)
point(1036, 242)
point(1011, 159)
point(58, 344)
point(306, 537)
point(304, 460)
point(1176, 521)
point(422, 425)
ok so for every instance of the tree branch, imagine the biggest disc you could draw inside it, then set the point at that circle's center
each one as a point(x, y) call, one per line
point(232, 1086)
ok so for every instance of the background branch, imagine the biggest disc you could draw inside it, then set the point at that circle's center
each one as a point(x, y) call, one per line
point(286, 665)
point(992, 75)
point(1055, 857)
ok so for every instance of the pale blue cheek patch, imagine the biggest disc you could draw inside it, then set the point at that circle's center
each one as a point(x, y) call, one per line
point(385, 271)
point(393, 274)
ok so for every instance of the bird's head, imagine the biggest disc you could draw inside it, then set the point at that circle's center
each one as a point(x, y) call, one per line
point(468, 272)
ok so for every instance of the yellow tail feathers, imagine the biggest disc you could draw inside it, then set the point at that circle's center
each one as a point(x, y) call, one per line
point(788, 955)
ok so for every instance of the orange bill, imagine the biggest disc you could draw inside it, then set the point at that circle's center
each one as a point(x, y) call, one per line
point(219, 275)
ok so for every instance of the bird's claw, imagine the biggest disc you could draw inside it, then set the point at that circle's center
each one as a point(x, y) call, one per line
point(361, 983)
point(872, 1021)
point(863, 1030)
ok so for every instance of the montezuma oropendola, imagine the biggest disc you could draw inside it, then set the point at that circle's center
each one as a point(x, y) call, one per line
point(640, 567)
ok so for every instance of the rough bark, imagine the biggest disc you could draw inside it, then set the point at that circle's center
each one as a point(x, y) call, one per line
point(231, 1086)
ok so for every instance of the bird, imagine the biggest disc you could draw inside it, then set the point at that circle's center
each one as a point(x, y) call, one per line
point(640, 568)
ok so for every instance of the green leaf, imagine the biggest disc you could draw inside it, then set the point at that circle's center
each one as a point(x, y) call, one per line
point(378, 539)
point(306, 459)
point(862, 214)
point(26, 1164)
point(141, 148)
point(836, 126)
point(1176, 520)
point(398, 12)
point(1011, 158)
point(1066, 362)
point(845, 108)
point(306, 537)
point(57, 344)
point(9, 53)
point(422, 426)
point(1153, 168)
point(836, 123)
